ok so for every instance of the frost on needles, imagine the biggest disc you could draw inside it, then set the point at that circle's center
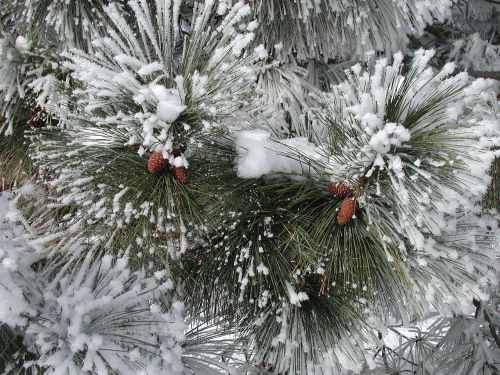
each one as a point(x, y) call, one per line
point(249, 187)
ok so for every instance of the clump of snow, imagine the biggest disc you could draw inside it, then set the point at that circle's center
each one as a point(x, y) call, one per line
point(28, 190)
point(261, 52)
point(259, 155)
point(169, 103)
point(22, 44)
point(389, 136)
point(296, 298)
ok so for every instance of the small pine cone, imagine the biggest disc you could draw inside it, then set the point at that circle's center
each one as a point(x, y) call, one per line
point(338, 189)
point(157, 162)
point(180, 174)
point(346, 211)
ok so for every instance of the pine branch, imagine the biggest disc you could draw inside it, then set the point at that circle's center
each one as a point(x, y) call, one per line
point(492, 326)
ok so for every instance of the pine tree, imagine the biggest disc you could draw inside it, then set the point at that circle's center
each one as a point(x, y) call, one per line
point(249, 187)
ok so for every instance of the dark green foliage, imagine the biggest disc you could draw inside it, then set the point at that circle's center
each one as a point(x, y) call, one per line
point(14, 357)
point(492, 198)
point(15, 164)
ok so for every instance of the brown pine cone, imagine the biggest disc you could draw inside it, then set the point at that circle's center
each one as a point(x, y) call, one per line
point(180, 174)
point(338, 189)
point(157, 162)
point(346, 211)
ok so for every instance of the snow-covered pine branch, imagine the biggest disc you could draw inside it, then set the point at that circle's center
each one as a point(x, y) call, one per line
point(155, 88)
point(339, 29)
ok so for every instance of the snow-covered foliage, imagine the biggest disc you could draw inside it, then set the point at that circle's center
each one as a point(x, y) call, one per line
point(294, 345)
point(100, 316)
point(12, 81)
point(462, 344)
point(416, 150)
point(333, 29)
point(15, 260)
point(389, 129)
point(475, 53)
point(163, 89)
point(92, 313)
point(478, 10)
point(74, 22)
point(288, 96)
point(23, 77)
point(89, 315)
point(247, 186)
point(168, 82)
point(470, 344)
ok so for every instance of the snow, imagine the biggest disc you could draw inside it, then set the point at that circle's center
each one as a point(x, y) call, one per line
point(22, 44)
point(261, 52)
point(259, 155)
point(87, 309)
point(169, 111)
point(261, 268)
point(150, 68)
point(387, 137)
point(418, 179)
point(296, 298)
point(169, 105)
point(241, 42)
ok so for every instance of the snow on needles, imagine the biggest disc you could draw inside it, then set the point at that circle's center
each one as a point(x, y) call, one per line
point(154, 88)
point(258, 155)
point(422, 142)
point(91, 313)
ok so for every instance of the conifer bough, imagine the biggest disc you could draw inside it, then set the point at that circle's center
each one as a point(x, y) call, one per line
point(230, 186)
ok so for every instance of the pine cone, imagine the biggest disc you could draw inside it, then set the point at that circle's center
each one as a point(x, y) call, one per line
point(157, 162)
point(346, 211)
point(180, 174)
point(338, 189)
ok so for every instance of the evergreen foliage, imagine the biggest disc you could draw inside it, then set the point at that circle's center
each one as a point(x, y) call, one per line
point(249, 187)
